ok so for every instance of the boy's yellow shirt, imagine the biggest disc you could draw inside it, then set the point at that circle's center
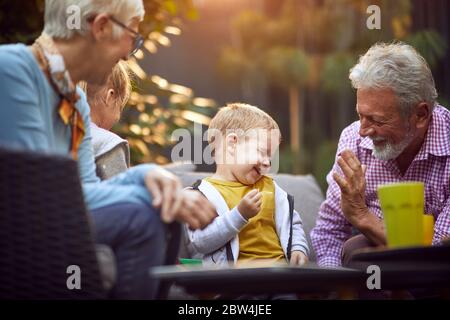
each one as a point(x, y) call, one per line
point(259, 238)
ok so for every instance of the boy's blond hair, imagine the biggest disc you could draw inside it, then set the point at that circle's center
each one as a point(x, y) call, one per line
point(239, 117)
point(119, 80)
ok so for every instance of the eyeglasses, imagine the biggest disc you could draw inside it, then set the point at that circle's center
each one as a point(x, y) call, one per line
point(138, 38)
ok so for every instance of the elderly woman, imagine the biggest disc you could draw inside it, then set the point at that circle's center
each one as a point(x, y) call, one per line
point(402, 134)
point(42, 110)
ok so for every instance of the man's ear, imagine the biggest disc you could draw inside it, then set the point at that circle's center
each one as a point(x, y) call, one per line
point(422, 114)
point(101, 27)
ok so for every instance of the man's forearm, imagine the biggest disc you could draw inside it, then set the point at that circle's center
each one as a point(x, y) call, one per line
point(372, 228)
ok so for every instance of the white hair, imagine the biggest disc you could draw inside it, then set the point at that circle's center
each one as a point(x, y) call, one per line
point(391, 150)
point(400, 67)
point(57, 13)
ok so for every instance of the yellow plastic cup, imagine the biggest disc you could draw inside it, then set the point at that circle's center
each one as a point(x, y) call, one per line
point(403, 209)
point(428, 229)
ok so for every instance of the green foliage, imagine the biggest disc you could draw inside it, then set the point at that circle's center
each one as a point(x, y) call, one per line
point(234, 65)
point(161, 13)
point(21, 21)
point(429, 44)
point(158, 107)
point(250, 30)
point(323, 161)
point(444, 101)
point(286, 66)
point(336, 66)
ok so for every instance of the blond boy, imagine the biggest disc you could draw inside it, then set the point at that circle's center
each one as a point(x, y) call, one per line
point(255, 217)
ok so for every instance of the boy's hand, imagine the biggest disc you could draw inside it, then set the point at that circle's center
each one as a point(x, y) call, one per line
point(250, 205)
point(298, 258)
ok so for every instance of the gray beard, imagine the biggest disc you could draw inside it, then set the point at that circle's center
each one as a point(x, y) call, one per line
point(391, 151)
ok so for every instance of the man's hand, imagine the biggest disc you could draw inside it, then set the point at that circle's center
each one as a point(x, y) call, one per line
point(250, 205)
point(353, 187)
point(195, 209)
point(353, 199)
point(298, 258)
point(166, 190)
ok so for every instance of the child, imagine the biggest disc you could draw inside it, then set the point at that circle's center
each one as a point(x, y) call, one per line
point(112, 155)
point(256, 219)
point(107, 101)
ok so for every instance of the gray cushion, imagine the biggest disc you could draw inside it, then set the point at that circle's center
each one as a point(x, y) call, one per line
point(177, 167)
point(112, 162)
point(304, 188)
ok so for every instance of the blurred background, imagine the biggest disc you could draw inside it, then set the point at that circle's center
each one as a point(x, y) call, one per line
point(289, 57)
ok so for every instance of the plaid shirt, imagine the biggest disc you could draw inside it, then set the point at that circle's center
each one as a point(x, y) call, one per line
point(431, 165)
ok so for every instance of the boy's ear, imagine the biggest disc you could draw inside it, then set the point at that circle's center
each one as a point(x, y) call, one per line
point(231, 141)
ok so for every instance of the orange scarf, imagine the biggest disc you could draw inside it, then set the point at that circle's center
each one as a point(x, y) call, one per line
point(52, 64)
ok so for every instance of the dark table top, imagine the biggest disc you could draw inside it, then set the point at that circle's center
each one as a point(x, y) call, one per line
point(438, 254)
point(257, 280)
point(405, 268)
point(408, 268)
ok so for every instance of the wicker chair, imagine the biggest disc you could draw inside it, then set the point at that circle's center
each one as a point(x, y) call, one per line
point(44, 229)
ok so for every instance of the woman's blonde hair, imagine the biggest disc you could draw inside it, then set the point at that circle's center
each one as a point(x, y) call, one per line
point(119, 80)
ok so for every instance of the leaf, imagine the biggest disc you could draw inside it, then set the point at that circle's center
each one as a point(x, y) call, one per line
point(334, 75)
point(192, 14)
point(171, 7)
point(286, 66)
point(430, 44)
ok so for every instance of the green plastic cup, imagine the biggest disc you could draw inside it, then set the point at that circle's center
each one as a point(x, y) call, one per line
point(186, 261)
point(403, 209)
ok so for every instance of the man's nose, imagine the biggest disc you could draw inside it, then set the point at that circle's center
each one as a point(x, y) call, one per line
point(366, 130)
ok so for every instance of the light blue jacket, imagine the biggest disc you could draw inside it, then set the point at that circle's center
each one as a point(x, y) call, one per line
point(29, 120)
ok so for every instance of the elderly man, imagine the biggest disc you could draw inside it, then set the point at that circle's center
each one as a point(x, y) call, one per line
point(42, 110)
point(402, 134)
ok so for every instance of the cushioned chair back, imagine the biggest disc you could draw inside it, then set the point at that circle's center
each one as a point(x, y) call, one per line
point(44, 230)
